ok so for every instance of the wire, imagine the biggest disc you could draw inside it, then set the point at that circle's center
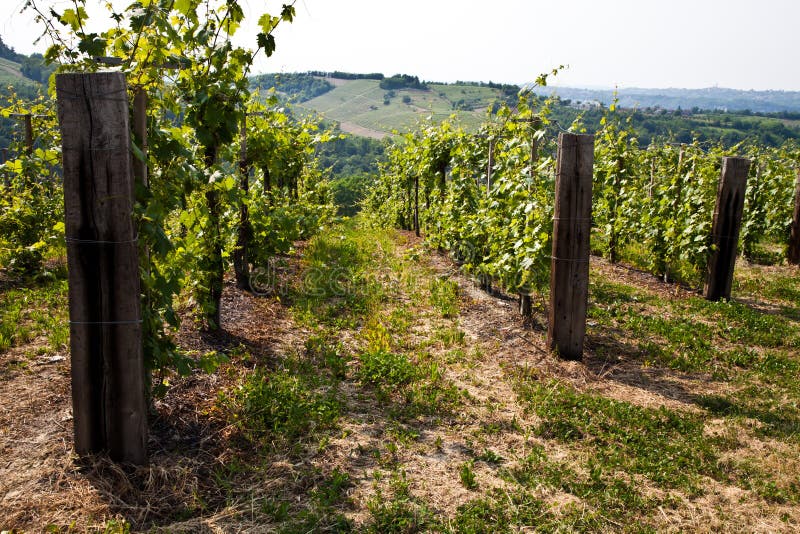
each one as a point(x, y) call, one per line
point(106, 323)
point(76, 241)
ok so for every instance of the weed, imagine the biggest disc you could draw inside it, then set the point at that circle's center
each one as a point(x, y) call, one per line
point(27, 313)
point(402, 513)
point(340, 284)
point(490, 457)
point(280, 403)
point(444, 296)
point(331, 491)
point(323, 350)
point(382, 368)
point(467, 475)
point(779, 420)
point(451, 336)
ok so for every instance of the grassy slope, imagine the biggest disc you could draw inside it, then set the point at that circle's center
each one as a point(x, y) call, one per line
point(11, 75)
point(361, 102)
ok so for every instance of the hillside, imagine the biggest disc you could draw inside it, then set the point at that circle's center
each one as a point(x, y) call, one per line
point(362, 107)
point(11, 74)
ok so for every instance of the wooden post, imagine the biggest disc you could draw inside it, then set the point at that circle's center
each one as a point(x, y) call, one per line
point(216, 275)
point(676, 204)
point(241, 260)
point(569, 275)
point(416, 205)
point(28, 133)
point(490, 168)
point(108, 387)
point(613, 239)
point(726, 226)
point(525, 304)
point(793, 252)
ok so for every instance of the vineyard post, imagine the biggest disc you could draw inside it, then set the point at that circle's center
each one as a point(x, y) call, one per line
point(241, 264)
point(525, 305)
point(108, 379)
point(676, 204)
point(726, 227)
point(490, 167)
point(793, 253)
point(416, 205)
point(28, 133)
point(569, 275)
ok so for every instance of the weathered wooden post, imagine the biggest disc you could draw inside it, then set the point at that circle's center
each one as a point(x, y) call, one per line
point(726, 226)
point(490, 167)
point(28, 133)
point(416, 206)
point(525, 303)
point(569, 275)
point(676, 204)
point(108, 381)
point(793, 252)
point(241, 261)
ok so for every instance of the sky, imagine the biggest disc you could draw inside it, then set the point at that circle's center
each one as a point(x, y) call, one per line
point(741, 44)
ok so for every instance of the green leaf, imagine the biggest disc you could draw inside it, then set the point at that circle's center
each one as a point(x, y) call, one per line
point(71, 18)
point(184, 7)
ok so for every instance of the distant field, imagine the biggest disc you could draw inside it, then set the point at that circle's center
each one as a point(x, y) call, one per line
point(11, 75)
point(360, 105)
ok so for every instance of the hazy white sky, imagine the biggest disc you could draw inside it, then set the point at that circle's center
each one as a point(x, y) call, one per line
point(744, 44)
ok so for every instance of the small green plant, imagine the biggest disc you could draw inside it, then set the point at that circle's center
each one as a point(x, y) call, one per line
point(323, 350)
point(467, 475)
point(280, 403)
point(401, 513)
point(382, 368)
point(490, 457)
point(444, 296)
point(332, 490)
point(451, 336)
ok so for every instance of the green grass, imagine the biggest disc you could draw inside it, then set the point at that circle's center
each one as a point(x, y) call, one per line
point(692, 334)
point(30, 312)
point(287, 402)
point(399, 512)
point(340, 286)
point(667, 446)
point(444, 297)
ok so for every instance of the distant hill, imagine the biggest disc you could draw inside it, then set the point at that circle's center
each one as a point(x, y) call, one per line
point(362, 107)
point(712, 98)
point(374, 106)
point(11, 75)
